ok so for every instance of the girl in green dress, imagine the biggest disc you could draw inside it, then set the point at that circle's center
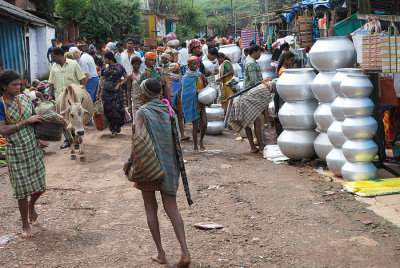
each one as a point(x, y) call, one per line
point(24, 156)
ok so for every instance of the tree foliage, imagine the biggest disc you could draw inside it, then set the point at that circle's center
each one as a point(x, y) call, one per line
point(47, 7)
point(70, 10)
point(117, 19)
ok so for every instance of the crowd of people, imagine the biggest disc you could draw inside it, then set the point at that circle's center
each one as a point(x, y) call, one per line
point(137, 76)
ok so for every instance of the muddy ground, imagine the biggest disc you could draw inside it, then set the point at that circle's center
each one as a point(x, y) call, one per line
point(273, 215)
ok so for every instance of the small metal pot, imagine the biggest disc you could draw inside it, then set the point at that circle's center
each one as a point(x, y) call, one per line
point(322, 146)
point(358, 171)
point(298, 115)
point(355, 107)
point(356, 85)
point(322, 87)
point(323, 116)
point(271, 109)
point(335, 134)
point(335, 160)
point(360, 150)
point(215, 128)
point(215, 112)
point(207, 95)
point(359, 127)
point(297, 144)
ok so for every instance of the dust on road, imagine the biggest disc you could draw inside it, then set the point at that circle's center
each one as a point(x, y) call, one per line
point(274, 215)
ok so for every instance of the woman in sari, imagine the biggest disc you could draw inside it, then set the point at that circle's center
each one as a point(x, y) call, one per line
point(226, 73)
point(154, 116)
point(25, 159)
point(111, 93)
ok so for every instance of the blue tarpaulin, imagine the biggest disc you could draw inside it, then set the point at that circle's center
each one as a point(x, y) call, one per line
point(303, 5)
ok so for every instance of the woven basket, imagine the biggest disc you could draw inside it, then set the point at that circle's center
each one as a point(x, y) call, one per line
point(48, 131)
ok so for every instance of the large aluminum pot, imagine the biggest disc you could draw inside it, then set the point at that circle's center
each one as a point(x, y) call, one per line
point(356, 85)
point(233, 52)
point(265, 61)
point(215, 128)
point(236, 68)
point(323, 116)
point(322, 146)
point(209, 67)
point(360, 150)
point(355, 107)
point(337, 108)
point(297, 144)
point(331, 53)
point(271, 109)
point(295, 84)
point(298, 115)
point(215, 112)
point(341, 75)
point(358, 171)
point(335, 160)
point(359, 127)
point(322, 87)
point(268, 74)
point(336, 135)
point(207, 95)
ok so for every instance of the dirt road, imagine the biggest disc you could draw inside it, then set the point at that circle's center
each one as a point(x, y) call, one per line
point(274, 215)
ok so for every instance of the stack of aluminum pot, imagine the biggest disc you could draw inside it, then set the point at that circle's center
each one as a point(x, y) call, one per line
point(325, 94)
point(296, 115)
point(327, 55)
point(215, 116)
point(335, 159)
point(359, 128)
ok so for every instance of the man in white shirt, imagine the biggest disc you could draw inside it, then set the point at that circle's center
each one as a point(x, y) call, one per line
point(128, 55)
point(183, 56)
point(205, 47)
point(88, 66)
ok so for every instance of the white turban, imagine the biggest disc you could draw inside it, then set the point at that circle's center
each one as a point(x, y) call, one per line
point(74, 49)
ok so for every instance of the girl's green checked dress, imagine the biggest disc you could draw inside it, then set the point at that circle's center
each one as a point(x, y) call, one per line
point(25, 159)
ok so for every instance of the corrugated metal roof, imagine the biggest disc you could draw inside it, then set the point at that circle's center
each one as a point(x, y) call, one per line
point(12, 11)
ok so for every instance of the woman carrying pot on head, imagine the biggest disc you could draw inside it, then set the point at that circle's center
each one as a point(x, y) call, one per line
point(25, 159)
point(226, 73)
point(153, 117)
point(111, 93)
